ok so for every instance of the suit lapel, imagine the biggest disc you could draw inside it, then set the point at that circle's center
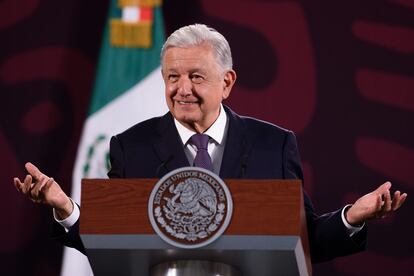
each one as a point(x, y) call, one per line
point(168, 146)
point(236, 148)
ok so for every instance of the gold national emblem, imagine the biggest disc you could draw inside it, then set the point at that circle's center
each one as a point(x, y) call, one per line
point(190, 207)
point(134, 29)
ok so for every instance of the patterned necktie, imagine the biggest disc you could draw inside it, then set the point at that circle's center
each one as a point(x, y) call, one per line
point(202, 158)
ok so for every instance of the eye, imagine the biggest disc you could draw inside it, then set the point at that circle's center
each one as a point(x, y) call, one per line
point(196, 78)
point(172, 78)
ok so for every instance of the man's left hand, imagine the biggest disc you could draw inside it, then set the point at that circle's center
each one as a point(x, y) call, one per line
point(377, 204)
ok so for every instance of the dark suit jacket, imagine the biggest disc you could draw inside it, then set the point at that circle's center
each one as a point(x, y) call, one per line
point(254, 149)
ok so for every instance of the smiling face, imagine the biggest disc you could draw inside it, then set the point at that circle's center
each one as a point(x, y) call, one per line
point(195, 85)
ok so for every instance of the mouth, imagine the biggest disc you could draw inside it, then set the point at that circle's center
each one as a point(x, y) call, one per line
point(186, 102)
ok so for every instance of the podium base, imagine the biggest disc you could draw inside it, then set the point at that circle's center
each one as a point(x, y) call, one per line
point(193, 267)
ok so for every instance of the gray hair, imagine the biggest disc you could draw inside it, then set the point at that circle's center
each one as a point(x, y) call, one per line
point(196, 35)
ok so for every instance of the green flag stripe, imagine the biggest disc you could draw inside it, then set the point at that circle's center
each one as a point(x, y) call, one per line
point(121, 68)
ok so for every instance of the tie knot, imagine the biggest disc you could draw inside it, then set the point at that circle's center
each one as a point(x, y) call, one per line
point(200, 140)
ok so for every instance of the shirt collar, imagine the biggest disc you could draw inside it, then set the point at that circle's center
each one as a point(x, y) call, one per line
point(215, 131)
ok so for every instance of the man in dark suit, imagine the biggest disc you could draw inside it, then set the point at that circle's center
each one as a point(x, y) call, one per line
point(198, 75)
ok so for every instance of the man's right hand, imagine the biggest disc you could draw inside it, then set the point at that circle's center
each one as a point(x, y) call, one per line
point(40, 188)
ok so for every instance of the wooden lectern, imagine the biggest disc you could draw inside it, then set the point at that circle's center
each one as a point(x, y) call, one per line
point(267, 233)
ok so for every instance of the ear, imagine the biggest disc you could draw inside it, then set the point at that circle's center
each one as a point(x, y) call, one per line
point(228, 82)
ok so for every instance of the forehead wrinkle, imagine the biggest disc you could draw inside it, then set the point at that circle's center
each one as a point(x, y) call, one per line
point(188, 68)
point(180, 64)
point(189, 53)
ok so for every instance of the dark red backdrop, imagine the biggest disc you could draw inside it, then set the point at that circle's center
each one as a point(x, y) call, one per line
point(339, 73)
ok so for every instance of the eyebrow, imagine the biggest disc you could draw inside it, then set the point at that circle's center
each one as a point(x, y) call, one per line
point(198, 70)
point(192, 71)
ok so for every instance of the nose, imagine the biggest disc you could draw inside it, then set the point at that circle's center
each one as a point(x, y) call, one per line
point(184, 86)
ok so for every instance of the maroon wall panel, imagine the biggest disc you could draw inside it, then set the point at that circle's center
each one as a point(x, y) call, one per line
point(338, 73)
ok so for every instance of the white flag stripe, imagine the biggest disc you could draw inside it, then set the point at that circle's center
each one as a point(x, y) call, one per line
point(143, 101)
point(75, 263)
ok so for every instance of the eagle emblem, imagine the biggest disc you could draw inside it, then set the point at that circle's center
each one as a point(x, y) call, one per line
point(190, 207)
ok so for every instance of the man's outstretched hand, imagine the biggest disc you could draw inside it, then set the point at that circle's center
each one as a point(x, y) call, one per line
point(377, 204)
point(40, 188)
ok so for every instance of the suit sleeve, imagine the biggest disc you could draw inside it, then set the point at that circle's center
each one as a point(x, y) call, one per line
point(70, 239)
point(116, 158)
point(328, 237)
point(292, 167)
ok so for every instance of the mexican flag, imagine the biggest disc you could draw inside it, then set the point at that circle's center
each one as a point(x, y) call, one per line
point(128, 89)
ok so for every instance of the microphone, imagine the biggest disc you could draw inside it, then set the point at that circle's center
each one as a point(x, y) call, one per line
point(163, 164)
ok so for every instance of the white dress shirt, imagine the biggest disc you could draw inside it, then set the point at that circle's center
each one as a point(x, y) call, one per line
point(217, 132)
